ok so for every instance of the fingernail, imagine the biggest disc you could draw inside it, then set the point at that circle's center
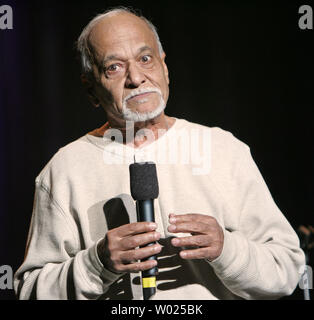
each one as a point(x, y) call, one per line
point(183, 254)
point(175, 241)
point(172, 228)
point(157, 248)
point(172, 220)
point(161, 246)
point(152, 225)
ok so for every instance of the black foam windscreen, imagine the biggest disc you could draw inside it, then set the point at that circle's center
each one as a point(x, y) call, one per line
point(144, 182)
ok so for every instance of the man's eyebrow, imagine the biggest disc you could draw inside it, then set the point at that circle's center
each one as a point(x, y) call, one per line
point(116, 57)
point(144, 48)
point(109, 58)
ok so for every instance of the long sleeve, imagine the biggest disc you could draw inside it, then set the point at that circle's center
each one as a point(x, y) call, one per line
point(79, 198)
point(261, 258)
point(55, 267)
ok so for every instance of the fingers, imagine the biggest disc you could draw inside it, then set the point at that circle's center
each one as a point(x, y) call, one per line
point(192, 223)
point(128, 261)
point(137, 266)
point(139, 254)
point(200, 253)
point(139, 240)
point(206, 235)
point(192, 227)
point(135, 228)
point(121, 253)
point(192, 241)
point(191, 217)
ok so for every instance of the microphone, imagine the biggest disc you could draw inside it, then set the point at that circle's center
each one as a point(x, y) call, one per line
point(144, 189)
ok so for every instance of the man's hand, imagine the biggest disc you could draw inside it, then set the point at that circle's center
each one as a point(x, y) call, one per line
point(206, 234)
point(118, 251)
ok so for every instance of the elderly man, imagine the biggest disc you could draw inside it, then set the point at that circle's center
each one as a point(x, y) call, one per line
point(218, 233)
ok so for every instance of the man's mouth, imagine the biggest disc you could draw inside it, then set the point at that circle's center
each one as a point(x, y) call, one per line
point(140, 96)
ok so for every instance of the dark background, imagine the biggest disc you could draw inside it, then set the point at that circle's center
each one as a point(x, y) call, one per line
point(244, 66)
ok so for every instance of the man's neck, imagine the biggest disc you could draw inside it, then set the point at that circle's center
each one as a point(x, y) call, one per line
point(136, 134)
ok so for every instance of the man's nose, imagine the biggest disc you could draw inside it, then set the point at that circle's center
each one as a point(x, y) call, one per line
point(135, 77)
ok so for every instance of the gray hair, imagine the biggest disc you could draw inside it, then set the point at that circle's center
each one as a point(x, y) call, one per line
point(83, 40)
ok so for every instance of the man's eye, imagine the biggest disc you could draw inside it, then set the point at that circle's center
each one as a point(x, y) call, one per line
point(146, 58)
point(113, 68)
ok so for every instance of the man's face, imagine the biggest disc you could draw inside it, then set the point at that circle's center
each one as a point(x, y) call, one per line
point(128, 63)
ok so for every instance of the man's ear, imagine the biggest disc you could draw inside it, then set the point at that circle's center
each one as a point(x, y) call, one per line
point(89, 86)
point(163, 56)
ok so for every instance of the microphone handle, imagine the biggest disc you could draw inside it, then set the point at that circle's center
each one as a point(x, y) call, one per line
point(145, 212)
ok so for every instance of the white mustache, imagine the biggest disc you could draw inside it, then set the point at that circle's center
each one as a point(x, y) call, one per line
point(140, 91)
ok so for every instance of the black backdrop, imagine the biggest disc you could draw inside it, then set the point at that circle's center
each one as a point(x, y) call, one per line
point(241, 65)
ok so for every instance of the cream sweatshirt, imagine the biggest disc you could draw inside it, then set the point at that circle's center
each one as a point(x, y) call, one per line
point(85, 190)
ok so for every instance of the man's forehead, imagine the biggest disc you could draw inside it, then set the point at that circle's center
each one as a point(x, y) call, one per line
point(122, 50)
point(113, 32)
